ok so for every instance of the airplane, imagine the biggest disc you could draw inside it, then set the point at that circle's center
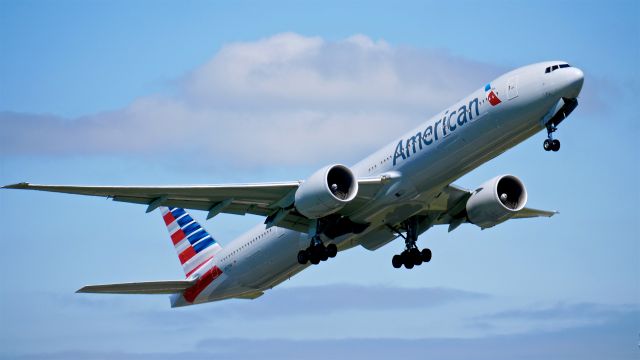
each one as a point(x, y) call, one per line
point(400, 191)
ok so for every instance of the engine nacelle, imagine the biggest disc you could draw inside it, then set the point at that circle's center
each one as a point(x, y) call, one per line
point(496, 201)
point(328, 190)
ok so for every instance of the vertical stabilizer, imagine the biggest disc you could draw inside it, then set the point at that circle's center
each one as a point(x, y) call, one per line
point(194, 245)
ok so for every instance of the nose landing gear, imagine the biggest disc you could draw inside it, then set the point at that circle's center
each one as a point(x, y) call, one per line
point(551, 144)
point(411, 256)
point(567, 106)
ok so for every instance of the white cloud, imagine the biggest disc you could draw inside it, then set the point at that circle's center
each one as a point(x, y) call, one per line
point(287, 99)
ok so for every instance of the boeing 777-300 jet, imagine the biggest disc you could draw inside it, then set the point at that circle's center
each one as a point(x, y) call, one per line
point(401, 190)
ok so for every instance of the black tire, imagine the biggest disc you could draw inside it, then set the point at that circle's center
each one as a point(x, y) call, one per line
point(324, 253)
point(547, 145)
point(407, 260)
point(314, 259)
point(555, 145)
point(425, 254)
point(396, 261)
point(332, 250)
point(302, 257)
point(416, 257)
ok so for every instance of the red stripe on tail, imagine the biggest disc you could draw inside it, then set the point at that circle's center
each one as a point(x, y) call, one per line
point(168, 218)
point(177, 236)
point(187, 254)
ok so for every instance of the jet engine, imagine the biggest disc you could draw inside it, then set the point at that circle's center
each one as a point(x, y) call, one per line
point(328, 190)
point(496, 201)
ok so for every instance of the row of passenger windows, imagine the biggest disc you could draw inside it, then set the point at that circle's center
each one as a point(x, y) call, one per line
point(556, 67)
point(381, 163)
point(247, 244)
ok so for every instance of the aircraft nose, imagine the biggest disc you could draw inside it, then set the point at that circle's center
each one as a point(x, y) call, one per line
point(573, 78)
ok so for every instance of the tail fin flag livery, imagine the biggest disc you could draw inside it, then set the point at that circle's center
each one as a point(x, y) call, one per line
point(193, 244)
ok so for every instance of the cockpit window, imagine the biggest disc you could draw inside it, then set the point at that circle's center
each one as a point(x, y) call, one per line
point(555, 67)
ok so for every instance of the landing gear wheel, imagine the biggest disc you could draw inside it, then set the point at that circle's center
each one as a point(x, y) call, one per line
point(555, 145)
point(303, 258)
point(396, 261)
point(425, 254)
point(416, 256)
point(324, 253)
point(317, 251)
point(332, 250)
point(547, 145)
point(407, 259)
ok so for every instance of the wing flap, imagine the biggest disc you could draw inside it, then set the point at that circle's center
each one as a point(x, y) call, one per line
point(146, 287)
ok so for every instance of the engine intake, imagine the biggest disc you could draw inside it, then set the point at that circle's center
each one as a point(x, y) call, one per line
point(327, 191)
point(496, 201)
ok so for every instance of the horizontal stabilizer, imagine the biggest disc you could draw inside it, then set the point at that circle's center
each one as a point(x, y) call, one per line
point(147, 287)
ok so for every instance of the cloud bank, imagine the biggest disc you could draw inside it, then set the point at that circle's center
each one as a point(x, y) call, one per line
point(287, 99)
point(614, 338)
point(329, 321)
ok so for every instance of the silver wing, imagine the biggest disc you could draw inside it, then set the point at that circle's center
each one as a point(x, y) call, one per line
point(264, 199)
point(272, 200)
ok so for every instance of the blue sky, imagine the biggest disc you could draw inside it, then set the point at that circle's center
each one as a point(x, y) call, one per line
point(159, 92)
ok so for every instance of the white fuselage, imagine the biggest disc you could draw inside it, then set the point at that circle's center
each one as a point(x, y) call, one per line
point(424, 161)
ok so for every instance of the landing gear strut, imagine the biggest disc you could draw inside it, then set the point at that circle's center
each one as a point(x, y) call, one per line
point(551, 144)
point(317, 251)
point(568, 105)
point(411, 256)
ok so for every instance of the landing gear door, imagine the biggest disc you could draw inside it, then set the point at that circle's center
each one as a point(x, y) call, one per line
point(512, 88)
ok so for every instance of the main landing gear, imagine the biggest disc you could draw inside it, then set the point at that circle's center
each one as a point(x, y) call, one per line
point(411, 256)
point(317, 251)
point(551, 144)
